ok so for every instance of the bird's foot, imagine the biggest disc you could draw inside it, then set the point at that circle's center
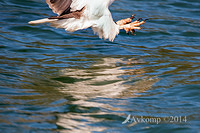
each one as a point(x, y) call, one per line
point(128, 26)
point(125, 21)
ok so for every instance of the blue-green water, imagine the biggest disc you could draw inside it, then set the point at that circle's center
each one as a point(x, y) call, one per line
point(54, 81)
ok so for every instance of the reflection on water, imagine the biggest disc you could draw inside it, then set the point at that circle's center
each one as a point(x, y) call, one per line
point(104, 79)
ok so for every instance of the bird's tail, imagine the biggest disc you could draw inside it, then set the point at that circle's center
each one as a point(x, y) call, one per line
point(40, 21)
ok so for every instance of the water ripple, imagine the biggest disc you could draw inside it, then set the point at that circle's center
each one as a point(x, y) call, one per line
point(56, 81)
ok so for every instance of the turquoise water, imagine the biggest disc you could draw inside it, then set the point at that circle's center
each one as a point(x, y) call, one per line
point(55, 81)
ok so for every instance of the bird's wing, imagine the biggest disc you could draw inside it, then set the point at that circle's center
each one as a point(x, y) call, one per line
point(65, 6)
point(96, 15)
point(59, 6)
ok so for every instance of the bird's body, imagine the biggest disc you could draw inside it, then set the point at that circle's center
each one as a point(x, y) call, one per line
point(75, 15)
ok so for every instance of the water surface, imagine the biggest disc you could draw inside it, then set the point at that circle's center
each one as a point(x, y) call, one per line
point(56, 81)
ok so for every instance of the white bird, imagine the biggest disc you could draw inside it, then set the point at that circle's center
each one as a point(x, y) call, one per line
point(75, 15)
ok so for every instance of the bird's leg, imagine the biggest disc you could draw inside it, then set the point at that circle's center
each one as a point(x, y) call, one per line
point(125, 21)
point(133, 26)
point(138, 22)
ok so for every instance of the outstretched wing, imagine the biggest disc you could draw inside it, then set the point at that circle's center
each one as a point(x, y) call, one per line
point(60, 6)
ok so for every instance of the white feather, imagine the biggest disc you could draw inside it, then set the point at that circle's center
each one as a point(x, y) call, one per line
point(78, 4)
point(40, 21)
point(103, 24)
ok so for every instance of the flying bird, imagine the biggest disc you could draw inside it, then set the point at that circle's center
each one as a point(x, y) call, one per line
point(75, 15)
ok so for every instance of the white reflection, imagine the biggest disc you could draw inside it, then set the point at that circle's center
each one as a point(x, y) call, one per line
point(103, 79)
